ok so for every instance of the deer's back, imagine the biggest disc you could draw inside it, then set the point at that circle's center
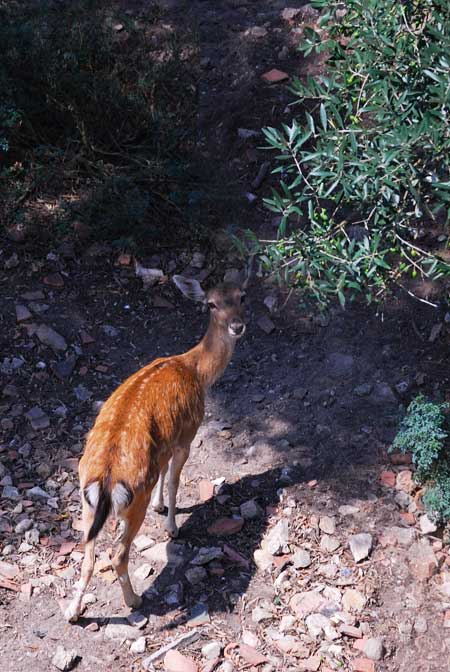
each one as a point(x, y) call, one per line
point(153, 411)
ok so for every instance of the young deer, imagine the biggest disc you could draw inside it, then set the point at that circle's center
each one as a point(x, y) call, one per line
point(149, 420)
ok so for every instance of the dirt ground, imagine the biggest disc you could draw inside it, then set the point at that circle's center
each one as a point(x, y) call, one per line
point(301, 423)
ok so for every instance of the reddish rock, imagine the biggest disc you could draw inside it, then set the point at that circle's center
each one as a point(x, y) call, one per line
point(275, 76)
point(251, 655)
point(405, 481)
point(387, 478)
point(174, 661)
point(54, 280)
point(224, 527)
point(205, 490)
point(363, 665)
point(86, 338)
point(408, 518)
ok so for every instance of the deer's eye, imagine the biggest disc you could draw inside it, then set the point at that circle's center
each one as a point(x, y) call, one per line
point(212, 305)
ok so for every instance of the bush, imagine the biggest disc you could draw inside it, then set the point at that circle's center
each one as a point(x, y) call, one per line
point(425, 432)
point(364, 192)
point(97, 104)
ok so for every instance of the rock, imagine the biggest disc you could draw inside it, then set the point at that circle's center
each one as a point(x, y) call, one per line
point(196, 575)
point(420, 625)
point(65, 660)
point(137, 619)
point(250, 510)
point(138, 646)
point(363, 390)
point(8, 571)
point(199, 615)
point(265, 324)
point(251, 655)
point(275, 76)
point(287, 622)
point(276, 542)
point(426, 525)
point(174, 594)
point(360, 545)
point(405, 481)
point(50, 337)
point(300, 393)
point(206, 555)
point(211, 650)
point(260, 614)
point(353, 600)
point(54, 280)
point(65, 368)
point(224, 527)
point(22, 313)
point(122, 630)
point(263, 559)
point(388, 478)
point(311, 664)
point(348, 510)
point(308, 602)
point(143, 572)
point(110, 331)
point(82, 393)
point(403, 499)
point(329, 544)
point(363, 665)
point(422, 560)
point(37, 418)
point(142, 542)
point(12, 261)
point(256, 31)
point(32, 537)
point(10, 492)
point(382, 395)
point(401, 535)
point(205, 490)
point(290, 13)
point(374, 648)
point(301, 559)
point(38, 493)
point(23, 526)
point(290, 645)
point(327, 524)
point(318, 623)
point(165, 552)
point(174, 661)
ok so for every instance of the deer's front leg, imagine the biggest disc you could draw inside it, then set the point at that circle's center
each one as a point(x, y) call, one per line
point(178, 461)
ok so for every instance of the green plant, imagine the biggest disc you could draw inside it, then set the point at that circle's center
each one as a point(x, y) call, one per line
point(424, 432)
point(364, 169)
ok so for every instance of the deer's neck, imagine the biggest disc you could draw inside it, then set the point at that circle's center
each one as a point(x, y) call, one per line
point(210, 357)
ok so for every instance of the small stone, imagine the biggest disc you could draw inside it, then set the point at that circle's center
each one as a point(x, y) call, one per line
point(363, 665)
point(65, 660)
point(329, 544)
point(260, 614)
point(142, 542)
point(174, 661)
point(290, 13)
point(263, 559)
point(224, 527)
point(50, 337)
point(363, 390)
point(275, 76)
point(196, 575)
point(37, 418)
point(426, 525)
point(360, 545)
point(266, 324)
point(251, 655)
point(138, 646)
point(8, 571)
point(32, 537)
point(206, 555)
point(353, 600)
point(401, 535)
point(408, 518)
point(374, 648)
point(199, 615)
point(137, 619)
point(303, 604)
point(22, 313)
point(300, 393)
point(420, 625)
point(301, 559)
point(110, 331)
point(422, 560)
point(388, 479)
point(405, 481)
point(348, 510)
point(165, 553)
point(276, 542)
point(143, 572)
point(327, 524)
point(311, 664)
point(211, 650)
point(318, 623)
point(24, 525)
point(287, 622)
point(250, 510)
point(121, 630)
point(38, 493)
point(256, 31)
point(403, 499)
point(205, 490)
point(10, 492)
point(54, 280)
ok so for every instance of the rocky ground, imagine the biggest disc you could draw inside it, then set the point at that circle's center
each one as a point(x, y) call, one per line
point(303, 543)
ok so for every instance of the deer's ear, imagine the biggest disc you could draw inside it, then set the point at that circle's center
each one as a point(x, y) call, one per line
point(191, 288)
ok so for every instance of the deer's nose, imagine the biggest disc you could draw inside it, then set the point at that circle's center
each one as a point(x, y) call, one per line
point(237, 327)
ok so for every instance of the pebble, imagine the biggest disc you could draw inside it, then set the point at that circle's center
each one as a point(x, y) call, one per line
point(308, 602)
point(138, 646)
point(301, 559)
point(65, 660)
point(142, 542)
point(353, 600)
point(360, 545)
point(137, 619)
point(348, 510)
point(165, 553)
point(38, 418)
point(422, 560)
point(250, 510)
point(121, 630)
point(374, 648)
point(276, 542)
point(327, 524)
point(426, 525)
point(199, 615)
point(196, 575)
point(420, 625)
point(50, 337)
point(224, 527)
point(211, 650)
point(10, 492)
point(329, 544)
point(174, 661)
point(260, 614)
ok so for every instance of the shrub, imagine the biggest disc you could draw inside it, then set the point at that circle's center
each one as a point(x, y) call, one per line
point(365, 166)
point(97, 104)
point(425, 432)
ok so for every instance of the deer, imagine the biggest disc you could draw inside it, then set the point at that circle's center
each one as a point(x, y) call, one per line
point(149, 421)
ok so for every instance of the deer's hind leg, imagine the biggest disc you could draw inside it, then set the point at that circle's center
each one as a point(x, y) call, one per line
point(75, 607)
point(132, 519)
